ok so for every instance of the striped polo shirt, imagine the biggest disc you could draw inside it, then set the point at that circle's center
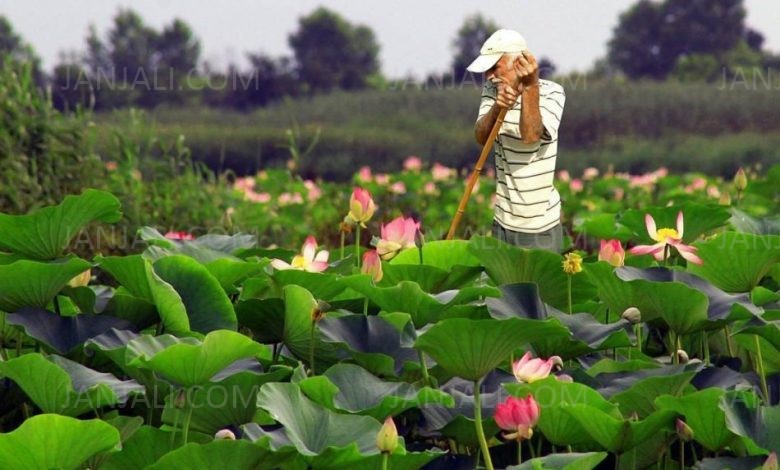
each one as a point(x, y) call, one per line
point(526, 200)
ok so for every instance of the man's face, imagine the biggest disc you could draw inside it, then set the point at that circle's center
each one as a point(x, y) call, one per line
point(504, 69)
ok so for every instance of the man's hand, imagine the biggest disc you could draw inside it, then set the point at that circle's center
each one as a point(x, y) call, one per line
point(527, 69)
point(506, 95)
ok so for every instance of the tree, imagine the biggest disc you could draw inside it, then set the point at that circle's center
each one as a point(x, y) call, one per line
point(471, 35)
point(12, 45)
point(652, 37)
point(131, 44)
point(177, 47)
point(331, 53)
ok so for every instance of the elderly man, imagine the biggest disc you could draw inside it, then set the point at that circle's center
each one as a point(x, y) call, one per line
point(528, 207)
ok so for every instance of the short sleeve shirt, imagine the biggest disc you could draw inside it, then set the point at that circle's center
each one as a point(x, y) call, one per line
point(526, 200)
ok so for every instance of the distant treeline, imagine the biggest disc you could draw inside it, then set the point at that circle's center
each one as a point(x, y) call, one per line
point(631, 125)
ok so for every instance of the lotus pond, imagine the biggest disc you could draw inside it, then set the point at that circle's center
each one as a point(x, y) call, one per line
point(657, 346)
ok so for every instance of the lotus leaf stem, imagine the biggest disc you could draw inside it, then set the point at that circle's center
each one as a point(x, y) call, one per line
point(760, 369)
point(186, 424)
point(385, 458)
point(357, 245)
point(519, 451)
point(424, 368)
point(478, 425)
point(568, 283)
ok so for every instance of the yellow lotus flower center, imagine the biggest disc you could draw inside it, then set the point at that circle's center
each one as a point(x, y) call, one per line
point(298, 262)
point(665, 233)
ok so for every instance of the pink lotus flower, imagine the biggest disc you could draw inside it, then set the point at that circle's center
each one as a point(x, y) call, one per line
point(666, 237)
point(612, 252)
point(361, 206)
point(590, 173)
point(396, 236)
point(576, 185)
point(244, 184)
point(382, 179)
point(564, 176)
point(309, 260)
point(440, 172)
point(619, 193)
point(364, 174)
point(313, 191)
point(172, 235)
point(530, 370)
point(429, 188)
point(518, 416)
point(285, 199)
point(398, 187)
point(412, 163)
point(372, 265)
point(261, 198)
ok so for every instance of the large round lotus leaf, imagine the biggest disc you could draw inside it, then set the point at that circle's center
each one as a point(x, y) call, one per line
point(471, 348)
point(45, 233)
point(431, 279)
point(350, 388)
point(702, 412)
point(51, 441)
point(143, 448)
point(207, 305)
point(698, 219)
point(299, 306)
point(442, 254)
point(311, 428)
point(231, 272)
point(228, 454)
point(736, 261)
point(619, 435)
point(572, 461)
point(323, 286)
point(195, 364)
point(59, 385)
point(42, 281)
point(136, 274)
point(509, 264)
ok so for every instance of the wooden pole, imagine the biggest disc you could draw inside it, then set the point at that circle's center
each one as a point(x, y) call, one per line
point(477, 171)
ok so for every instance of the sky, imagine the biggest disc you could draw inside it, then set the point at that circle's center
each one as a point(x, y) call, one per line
point(415, 36)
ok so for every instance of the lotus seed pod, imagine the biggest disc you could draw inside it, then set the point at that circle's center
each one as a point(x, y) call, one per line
point(632, 315)
point(225, 434)
point(682, 356)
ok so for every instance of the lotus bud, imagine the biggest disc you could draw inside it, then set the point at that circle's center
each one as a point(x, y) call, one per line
point(81, 280)
point(740, 180)
point(725, 199)
point(225, 434)
point(684, 432)
point(632, 315)
point(682, 356)
point(387, 439)
point(180, 401)
point(372, 265)
point(771, 462)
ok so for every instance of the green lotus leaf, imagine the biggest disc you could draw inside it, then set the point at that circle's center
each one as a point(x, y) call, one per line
point(207, 305)
point(136, 274)
point(141, 313)
point(762, 296)
point(471, 348)
point(702, 412)
point(230, 273)
point(350, 388)
point(553, 396)
point(607, 366)
point(619, 435)
point(699, 219)
point(639, 398)
point(45, 233)
point(53, 441)
point(605, 227)
point(431, 279)
point(311, 428)
point(195, 364)
point(572, 461)
point(235, 455)
point(264, 317)
point(372, 341)
point(350, 457)
point(127, 427)
point(508, 264)
point(423, 307)
point(768, 330)
point(442, 254)
point(746, 417)
point(736, 261)
point(142, 449)
point(224, 403)
point(58, 385)
point(42, 281)
point(297, 334)
point(205, 249)
point(323, 286)
point(63, 334)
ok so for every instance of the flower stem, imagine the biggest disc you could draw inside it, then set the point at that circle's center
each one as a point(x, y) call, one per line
point(424, 369)
point(311, 349)
point(760, 369)
point(519, 451)
point(186, 424)
point(706, 347)
point(343, 235)
point(357, 245)
point(385, 458)
point(682, 454)
point(478, 425)
point(729, 346)
point(568, 284)
point(638, 333)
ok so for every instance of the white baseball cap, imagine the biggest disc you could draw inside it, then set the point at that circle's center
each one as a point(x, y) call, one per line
point(501, 42)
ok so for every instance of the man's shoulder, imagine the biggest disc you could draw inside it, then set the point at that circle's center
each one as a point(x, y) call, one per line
point(549, 86)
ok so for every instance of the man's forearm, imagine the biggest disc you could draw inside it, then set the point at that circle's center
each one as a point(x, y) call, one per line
point(531, 127)
point(485, 124)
